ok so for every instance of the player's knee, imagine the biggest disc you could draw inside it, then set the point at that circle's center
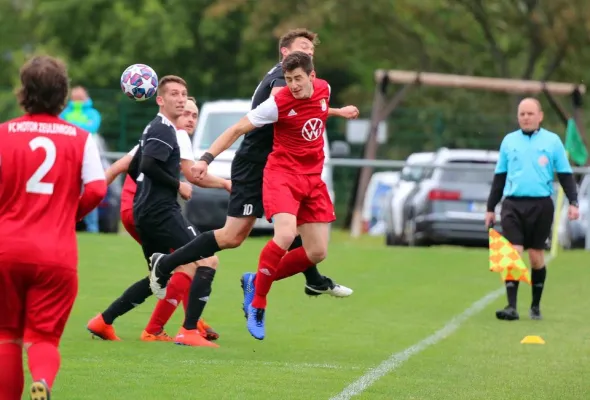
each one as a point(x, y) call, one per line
point(284, 237)
point(316, 254)
point(35, 338)
point(211, 262)
point(187, 269)
point(18, 342)
point(229, 238)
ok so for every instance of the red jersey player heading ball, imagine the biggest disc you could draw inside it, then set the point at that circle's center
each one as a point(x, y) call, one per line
point(44, 162)
point(294, 194)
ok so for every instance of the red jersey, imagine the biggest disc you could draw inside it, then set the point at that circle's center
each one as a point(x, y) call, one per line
point(299, 125)
point(44, 163)
point(129, 188)
point(128, 193)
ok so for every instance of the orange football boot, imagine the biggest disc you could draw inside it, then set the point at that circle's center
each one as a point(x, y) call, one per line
point(206, 331)
point(192, 337)
point(158, 337)
point(101, 329)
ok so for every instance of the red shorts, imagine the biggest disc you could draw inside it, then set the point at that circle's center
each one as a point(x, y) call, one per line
point(129, 223)
point(305, 196)
point(35, 301)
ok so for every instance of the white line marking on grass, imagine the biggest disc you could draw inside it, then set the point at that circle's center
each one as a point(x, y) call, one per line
point(396, 360)
point(249, 363)
point(274, 364)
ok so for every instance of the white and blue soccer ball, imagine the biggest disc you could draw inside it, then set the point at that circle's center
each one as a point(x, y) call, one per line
point(139, 82)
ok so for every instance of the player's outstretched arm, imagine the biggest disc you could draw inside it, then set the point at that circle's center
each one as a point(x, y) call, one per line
point(231, 134)
point(119, 167)
point(214, 182)
point(208, 182)
point(348, 112)
point(266, 113)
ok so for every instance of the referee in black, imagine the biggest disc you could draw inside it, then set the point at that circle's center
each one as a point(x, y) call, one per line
point(529, 158)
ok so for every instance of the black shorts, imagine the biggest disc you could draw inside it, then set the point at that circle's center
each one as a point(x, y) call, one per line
point(245, 199)
point(164, 235)
point(527, 221)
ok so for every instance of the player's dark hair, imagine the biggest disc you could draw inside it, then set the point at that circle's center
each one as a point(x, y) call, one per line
point(165, 80)
point(44, 86)
point(298, 59)
point(288, 38)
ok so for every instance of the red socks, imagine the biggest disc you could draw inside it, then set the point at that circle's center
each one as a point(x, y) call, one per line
point(176, 292)
point(12, 377)
point(270, 257)
point(44, 362)
point(294, 262)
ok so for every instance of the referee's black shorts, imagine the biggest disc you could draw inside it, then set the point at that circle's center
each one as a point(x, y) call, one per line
point(165, 235)
point(526, 221)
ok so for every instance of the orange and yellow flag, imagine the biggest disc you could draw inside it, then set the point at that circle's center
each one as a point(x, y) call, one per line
point(505, 259)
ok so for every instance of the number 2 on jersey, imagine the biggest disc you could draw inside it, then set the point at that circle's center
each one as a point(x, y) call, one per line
point(34, 184)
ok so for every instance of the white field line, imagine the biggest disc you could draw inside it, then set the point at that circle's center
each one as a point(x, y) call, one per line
point(252, 363)
point(274, 364)
point(397, 359)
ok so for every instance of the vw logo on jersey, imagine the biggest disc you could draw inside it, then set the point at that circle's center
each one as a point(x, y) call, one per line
point(312, 129)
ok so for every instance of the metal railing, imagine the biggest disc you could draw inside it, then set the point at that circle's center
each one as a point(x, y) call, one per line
point(393, 164)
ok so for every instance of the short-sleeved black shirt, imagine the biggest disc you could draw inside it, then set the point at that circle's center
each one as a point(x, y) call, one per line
point(152, 200)
point(257, 144)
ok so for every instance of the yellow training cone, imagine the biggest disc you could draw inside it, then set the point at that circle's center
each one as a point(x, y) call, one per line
point(532, 340)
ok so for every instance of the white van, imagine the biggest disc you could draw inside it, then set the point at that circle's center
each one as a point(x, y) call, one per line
point(207, 209)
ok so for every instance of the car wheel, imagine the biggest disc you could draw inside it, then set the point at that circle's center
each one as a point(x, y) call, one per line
point(410, 231)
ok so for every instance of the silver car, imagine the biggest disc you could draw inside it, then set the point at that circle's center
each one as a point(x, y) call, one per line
point(449, 205)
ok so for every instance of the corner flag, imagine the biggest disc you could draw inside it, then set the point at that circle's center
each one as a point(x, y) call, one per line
point(574, 145)
point(505, 259)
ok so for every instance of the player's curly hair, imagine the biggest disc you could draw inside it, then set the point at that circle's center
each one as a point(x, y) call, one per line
point(298, 59)
point(44, 86)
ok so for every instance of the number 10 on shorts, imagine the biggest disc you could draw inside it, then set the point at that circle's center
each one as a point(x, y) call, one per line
point(248, 209)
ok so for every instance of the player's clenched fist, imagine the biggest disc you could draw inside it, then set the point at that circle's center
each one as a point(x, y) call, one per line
point(199, 170)
point(349, 112)
point(185, 190)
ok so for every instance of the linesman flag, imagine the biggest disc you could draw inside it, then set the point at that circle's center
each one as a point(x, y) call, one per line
point(505, 259)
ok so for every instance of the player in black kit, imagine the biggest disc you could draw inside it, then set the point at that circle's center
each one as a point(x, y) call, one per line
point(245, 203)
point(158, 219)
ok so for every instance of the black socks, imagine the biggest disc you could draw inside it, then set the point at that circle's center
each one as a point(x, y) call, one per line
point(203, 246)
point(538, 282)
point(312, 275)
point(199, 295)
point(512, 292)
point(132, 297)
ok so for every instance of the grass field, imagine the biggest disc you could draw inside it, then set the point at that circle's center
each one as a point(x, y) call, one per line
point(315, 348)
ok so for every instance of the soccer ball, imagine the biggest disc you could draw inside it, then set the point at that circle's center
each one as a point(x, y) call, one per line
point(139, 82)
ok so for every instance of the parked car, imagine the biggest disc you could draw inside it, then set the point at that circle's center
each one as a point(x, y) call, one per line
point(449, 205)
point(378, 190)
point(396, 200)
point(109, 208)
point(207, 209)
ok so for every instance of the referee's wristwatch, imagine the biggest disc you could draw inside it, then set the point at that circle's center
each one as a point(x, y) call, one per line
point(575, 204)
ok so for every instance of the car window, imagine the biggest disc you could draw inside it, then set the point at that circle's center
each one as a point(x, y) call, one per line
point(215, 124)
point(469, 175)
point(414, 174)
